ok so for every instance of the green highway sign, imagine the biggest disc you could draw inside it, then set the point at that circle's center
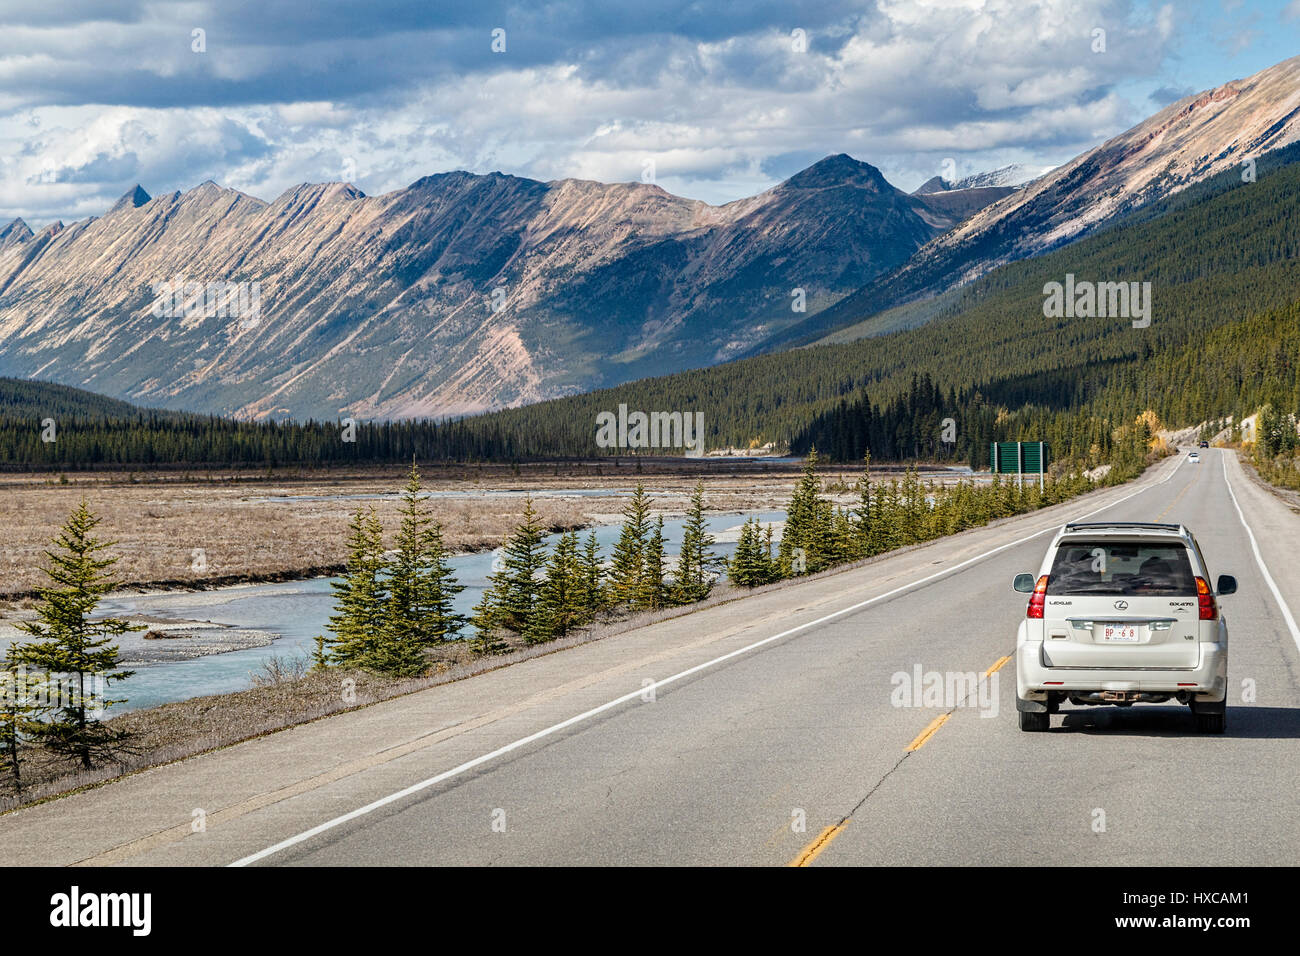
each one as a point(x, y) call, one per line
point(1018, 457)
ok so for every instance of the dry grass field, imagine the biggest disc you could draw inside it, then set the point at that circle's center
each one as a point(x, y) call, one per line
point(174, 530)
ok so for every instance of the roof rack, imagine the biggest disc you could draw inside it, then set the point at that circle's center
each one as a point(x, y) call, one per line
point(1145, 525)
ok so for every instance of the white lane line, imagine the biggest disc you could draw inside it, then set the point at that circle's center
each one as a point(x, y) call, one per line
point(1259, 559)
point(632, 695)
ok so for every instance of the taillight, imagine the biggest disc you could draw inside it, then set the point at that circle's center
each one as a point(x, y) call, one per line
point(1205, 601)
point(1038, 598)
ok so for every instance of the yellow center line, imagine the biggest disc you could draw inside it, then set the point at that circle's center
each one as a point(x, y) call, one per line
point(997, 666)
point(1178, 496)
point(926, 734)
point(824, 838)
point(812, 850)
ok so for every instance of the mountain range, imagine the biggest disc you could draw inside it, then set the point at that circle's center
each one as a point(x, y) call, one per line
point(459, 293)
point(467, 292)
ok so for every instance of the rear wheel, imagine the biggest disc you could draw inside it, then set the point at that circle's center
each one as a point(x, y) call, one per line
point(1211, 716)
point(1210, 723)
point(1035, 722)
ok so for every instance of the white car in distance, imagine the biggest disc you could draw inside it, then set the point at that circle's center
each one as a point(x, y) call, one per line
point(1122, 613)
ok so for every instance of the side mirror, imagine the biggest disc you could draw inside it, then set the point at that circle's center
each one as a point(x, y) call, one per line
point(1024, 583)
point(1226, 584)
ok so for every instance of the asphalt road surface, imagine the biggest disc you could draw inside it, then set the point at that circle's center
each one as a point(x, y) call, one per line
point(647, 748)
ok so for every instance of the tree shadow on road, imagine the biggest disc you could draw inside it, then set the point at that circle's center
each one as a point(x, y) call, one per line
point(1244, 720)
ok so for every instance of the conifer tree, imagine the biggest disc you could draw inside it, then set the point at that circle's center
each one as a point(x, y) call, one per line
point(807, 524)
point(321, 655)
point(439, 589)
point(508, 602)
point(628, 560)
point(23, 705)
point(76, 653)
point(650, 591)
point(360, 598)
point(558, 607)
point(999, 497)
point(862, 513)
point(913, 508)
point(841, 543)
point(696, 564)
point(951, 506)
point(591, 592)
point(742, 568)
point(885, 533)
point(752, 563)
point(421, 586)
point(979, 503)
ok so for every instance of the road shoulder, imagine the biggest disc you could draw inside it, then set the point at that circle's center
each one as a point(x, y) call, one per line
point(1276, 530)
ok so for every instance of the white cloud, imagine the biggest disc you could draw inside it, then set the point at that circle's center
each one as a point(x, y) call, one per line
point(901, 86)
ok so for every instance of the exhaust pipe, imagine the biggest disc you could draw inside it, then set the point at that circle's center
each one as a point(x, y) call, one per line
point(1117, 697)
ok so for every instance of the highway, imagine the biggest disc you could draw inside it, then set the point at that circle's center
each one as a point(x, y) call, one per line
point(769, 731)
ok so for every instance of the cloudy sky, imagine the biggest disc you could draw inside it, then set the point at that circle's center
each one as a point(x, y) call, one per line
point(723, 98)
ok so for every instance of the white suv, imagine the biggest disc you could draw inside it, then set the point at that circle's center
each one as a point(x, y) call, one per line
point(1121, 613)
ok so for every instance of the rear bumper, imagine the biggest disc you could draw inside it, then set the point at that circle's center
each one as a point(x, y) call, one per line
point(1208, 681)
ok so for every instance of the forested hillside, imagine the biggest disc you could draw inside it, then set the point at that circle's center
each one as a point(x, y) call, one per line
point(93, 431)
point(1237, 367)
point(29, 399)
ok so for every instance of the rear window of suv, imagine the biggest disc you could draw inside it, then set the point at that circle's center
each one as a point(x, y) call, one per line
point(1116, 567)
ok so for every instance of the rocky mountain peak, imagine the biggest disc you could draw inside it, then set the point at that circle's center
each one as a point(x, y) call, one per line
point(309, 195)
point(208, 191)
point(16, 232)
point(1016, 174)
point(935, 184)
point(134, 198)
point(840, 169)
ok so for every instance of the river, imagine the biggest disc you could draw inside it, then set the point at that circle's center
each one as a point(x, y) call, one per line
point(297, 611)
